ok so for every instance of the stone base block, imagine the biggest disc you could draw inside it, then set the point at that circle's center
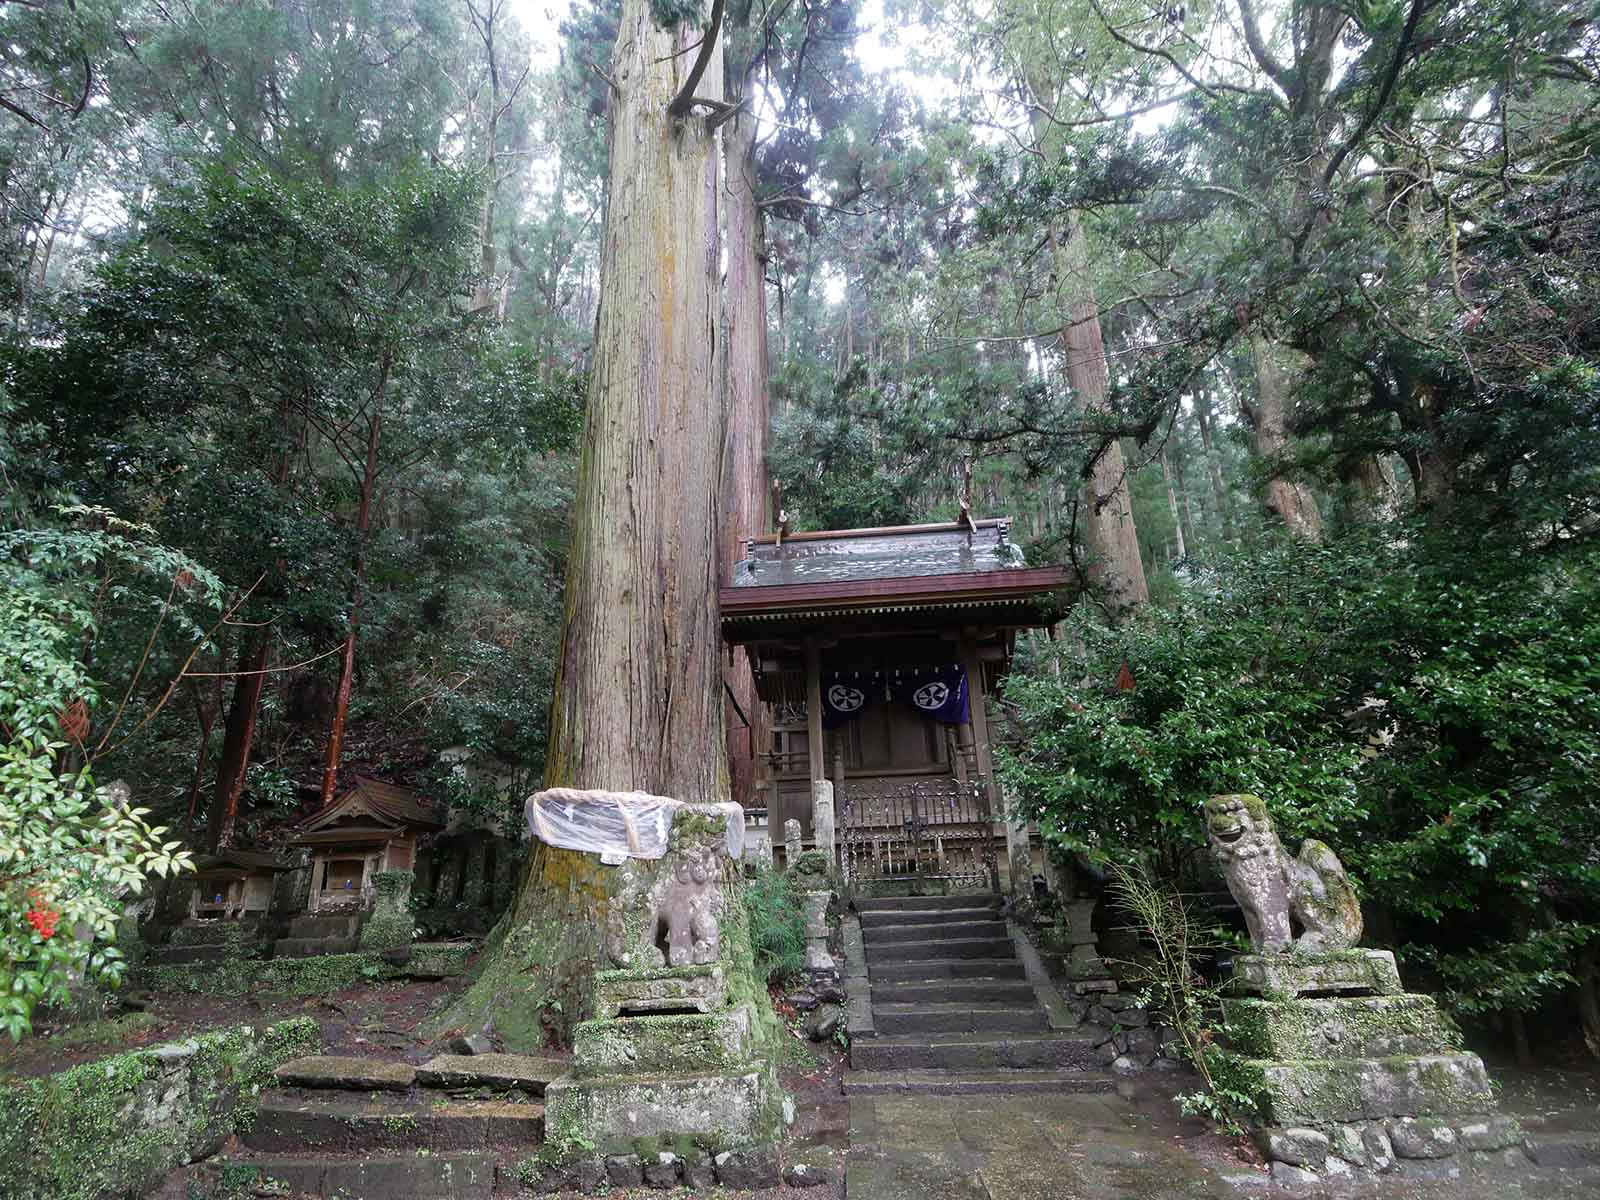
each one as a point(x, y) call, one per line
point(663, 1044)
point(701, 989)
point(612, 1112)
point(1418, 1148)
point(1346, 1027)
point(1311, 974)
point(1320, 1091)
point(1085, 963)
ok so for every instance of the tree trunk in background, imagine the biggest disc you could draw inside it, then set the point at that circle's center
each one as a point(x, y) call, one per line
point(748, 413)
point(1115, 568)
point(238, 733)
point(1172, 505)
point(358, 587)
point(1290, 501)
point(1371, 486)
point(1202, 414)
point(638, 690)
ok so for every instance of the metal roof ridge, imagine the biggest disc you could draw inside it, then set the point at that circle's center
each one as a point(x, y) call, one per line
point(771, 539)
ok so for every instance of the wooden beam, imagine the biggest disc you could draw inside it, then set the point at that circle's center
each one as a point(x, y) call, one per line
point(817, 770)
point(980, 734)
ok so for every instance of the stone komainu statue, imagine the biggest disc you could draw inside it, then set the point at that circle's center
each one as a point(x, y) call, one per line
point(689, 910)
point(1310, 893)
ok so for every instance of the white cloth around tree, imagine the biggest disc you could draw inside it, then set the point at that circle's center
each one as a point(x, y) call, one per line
point(618, 825)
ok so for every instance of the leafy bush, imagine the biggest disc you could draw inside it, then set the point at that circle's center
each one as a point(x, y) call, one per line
point(777, 925)
point(1429, 707)
point(69, 850)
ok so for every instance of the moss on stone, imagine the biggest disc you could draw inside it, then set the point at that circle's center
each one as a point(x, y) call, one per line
point(316, 975)
point(116, 1126)
point(1354, 1026)
point(686, 1042)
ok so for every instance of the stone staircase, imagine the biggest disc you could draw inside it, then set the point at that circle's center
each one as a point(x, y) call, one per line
point(309, 935)
point(953, 1009)
point(208, 941)
point(451, 1129)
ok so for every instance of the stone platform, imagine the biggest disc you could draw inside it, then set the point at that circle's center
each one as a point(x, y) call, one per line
point(1357, 1076)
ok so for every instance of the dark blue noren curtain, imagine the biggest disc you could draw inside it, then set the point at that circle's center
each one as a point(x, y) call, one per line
point(845, 694)
point(939, 693)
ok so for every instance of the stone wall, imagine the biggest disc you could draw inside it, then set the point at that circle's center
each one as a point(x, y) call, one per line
point(117, 1126)
point(315, 975)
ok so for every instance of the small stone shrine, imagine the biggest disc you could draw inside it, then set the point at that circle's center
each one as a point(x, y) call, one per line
point(670, 1077)
point(1357, 1075)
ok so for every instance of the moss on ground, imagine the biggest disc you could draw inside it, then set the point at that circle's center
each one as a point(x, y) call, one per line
point(316, 975)
point(116, 1126)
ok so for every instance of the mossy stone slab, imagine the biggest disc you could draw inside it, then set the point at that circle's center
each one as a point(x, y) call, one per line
point(1345, 1027)
point(528, 1072)
point(1315, 1091)
point(712, 1109)
point(683, 1042)
point(1371, 971)
point(350, 1074)
point(698, 988)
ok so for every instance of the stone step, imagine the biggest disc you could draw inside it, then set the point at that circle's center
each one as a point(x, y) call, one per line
point(940, 948)
point(924, 970)
point(974, 1083)
point(342, 926)
point(214, 933)
point(468, 1175)
point(972, 1052)
point(884, 935)
point(889, 1019)
point(530, 1073)
point(925, 916)
point(955, 991)
point(346, 1073)
point(901, 903)
point(188, 954)
point(309, 947)
point(292, 1120)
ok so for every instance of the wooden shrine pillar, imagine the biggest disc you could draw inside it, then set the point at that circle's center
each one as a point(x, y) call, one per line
point(822, 836)
point(1016, 839)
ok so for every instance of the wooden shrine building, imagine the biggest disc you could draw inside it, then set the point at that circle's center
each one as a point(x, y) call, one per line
point(370, 827)
point(233, 885)
point(874, 651)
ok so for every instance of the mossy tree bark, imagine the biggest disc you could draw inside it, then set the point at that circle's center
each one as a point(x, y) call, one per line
point(748, 409)
point(1115, 568)
point(1286, 498)
point(638, 694)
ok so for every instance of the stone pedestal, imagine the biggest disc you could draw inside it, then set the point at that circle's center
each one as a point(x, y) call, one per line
point(1353, 971)
point(811, 874)
point(391, 925)
point(820, 964)
point(1355, 1074)
point(822, 834)
point(1086, 970)
point(675, 1055)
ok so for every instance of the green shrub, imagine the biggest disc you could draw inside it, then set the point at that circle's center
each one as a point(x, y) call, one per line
point(777, 925)
point(1428, 706)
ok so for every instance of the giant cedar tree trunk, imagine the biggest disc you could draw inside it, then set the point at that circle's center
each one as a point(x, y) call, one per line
point(1291, 501)
point(745, 330)
point(638, 691)
point(1115, 567)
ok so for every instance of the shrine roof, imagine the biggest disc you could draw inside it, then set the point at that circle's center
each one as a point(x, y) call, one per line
point(375, 803)
point(242, 861)
point(889, 570)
